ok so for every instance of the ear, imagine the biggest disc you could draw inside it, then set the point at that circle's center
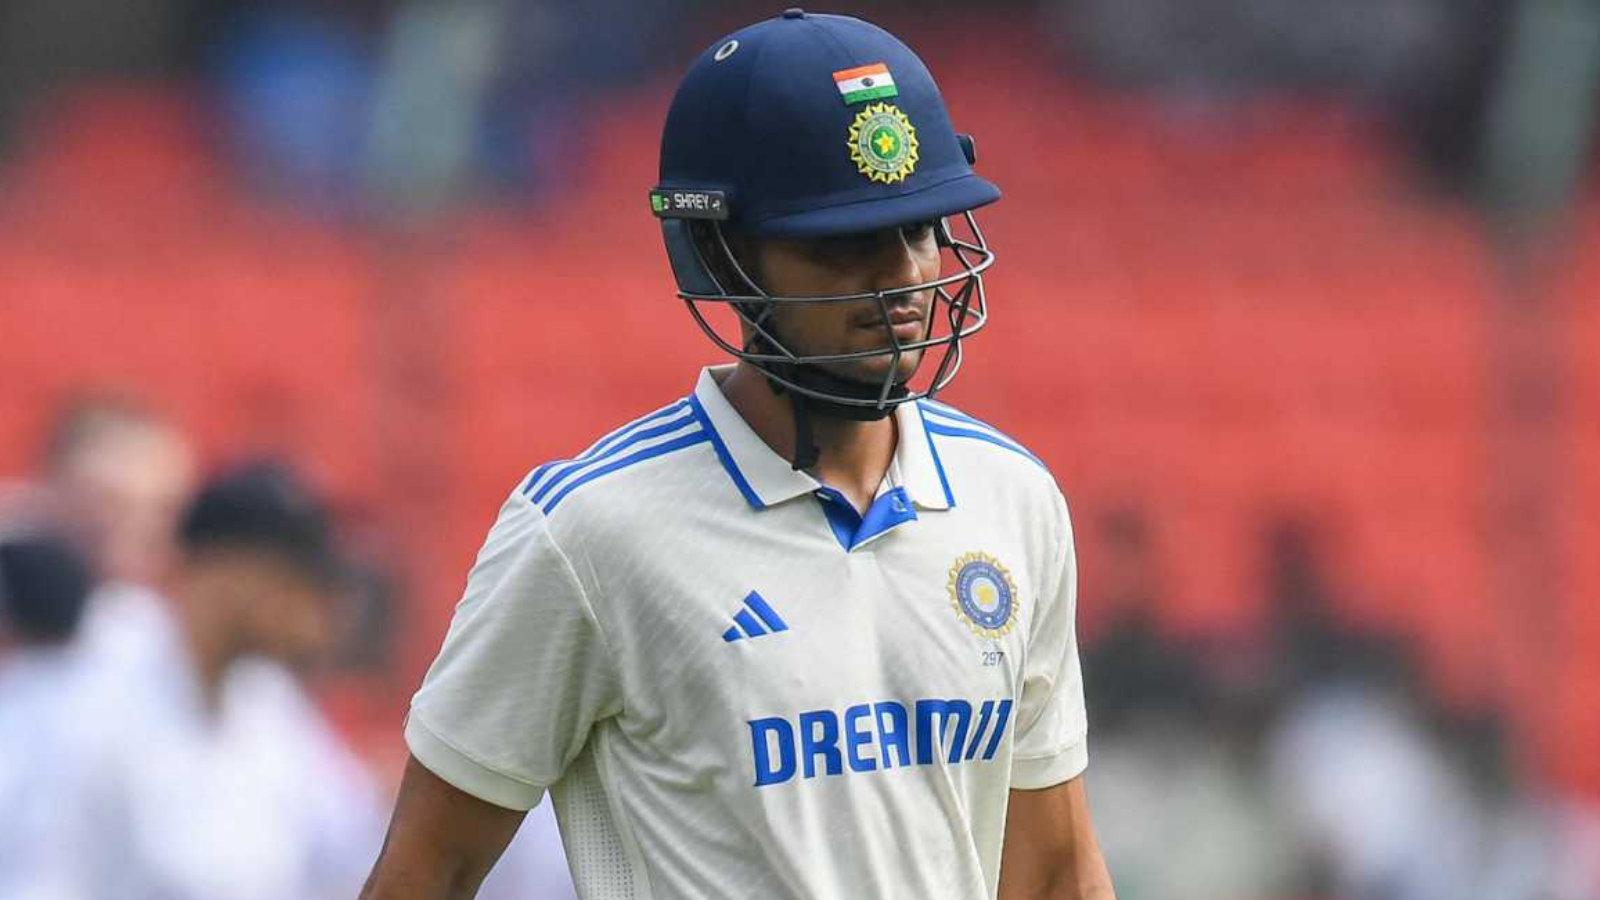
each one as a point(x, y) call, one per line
point(691, 267)
point(731, 258)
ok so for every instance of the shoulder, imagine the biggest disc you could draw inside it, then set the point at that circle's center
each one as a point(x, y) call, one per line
point(267, 696)
point(978, 458)
point(129, 657)
point(125, 622)
point(628, 469)
point(974, 442)
point(274, 704)
point(947, 424)
point(261, 685)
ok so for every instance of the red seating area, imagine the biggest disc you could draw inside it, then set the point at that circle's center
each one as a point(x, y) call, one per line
point(1219, 323)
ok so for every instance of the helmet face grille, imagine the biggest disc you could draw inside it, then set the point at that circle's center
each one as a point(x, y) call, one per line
point(960, 310)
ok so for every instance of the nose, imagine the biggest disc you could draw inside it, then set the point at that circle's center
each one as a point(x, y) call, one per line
point(896, 263)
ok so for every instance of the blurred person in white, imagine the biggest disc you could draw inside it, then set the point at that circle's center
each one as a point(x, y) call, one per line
point(119, 472)
point(44, 583)
point(206, 773)
point(1372, 795)
point(1389, 792)
point(1365, 787)
point(1399, 811)
point(1533, 841)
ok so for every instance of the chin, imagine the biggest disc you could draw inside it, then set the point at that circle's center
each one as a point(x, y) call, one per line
point(872, 371)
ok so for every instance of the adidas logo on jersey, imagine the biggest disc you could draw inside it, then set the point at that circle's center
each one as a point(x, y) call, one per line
point(757, 618)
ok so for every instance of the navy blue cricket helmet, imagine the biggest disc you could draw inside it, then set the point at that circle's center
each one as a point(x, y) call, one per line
point(809, 126)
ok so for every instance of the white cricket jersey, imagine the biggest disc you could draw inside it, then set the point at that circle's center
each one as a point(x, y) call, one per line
point(735, 686)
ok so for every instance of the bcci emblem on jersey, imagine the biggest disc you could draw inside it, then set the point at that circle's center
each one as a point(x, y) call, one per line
point(983, 594)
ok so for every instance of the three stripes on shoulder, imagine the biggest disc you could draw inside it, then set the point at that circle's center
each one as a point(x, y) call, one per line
point(948, 421)
point(663, 431)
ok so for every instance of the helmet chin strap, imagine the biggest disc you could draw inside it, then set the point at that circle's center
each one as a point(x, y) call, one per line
point(806, 408)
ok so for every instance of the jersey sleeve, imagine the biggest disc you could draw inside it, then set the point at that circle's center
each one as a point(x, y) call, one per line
point(524, 672)
point(1052, 730)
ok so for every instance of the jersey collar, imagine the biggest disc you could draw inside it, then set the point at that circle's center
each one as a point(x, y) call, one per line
point(766, 479)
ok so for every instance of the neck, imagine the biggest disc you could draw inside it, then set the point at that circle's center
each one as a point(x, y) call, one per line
point(853, 455)
point(210, 651)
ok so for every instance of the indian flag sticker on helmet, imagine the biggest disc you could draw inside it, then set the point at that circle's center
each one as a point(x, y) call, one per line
point(883, 143)
point(865, 83)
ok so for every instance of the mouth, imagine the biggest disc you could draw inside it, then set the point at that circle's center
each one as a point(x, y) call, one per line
point(906, 323)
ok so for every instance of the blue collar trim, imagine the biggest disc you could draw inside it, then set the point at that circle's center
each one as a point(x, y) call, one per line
point(891, 510)
point(938, 464)
point(724, 456)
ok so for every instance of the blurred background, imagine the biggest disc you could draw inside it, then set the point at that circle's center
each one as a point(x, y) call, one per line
point(1296, 298)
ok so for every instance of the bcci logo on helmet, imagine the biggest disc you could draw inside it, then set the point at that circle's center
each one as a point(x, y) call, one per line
point(983, 594)
point(883, 143)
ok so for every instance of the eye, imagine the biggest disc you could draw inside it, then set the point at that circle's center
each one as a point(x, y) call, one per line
point(843, 248)
point(919, 231)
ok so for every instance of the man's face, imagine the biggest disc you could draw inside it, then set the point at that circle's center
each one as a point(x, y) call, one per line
point(853, 264)
point(127, 489)
point(266, 604)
